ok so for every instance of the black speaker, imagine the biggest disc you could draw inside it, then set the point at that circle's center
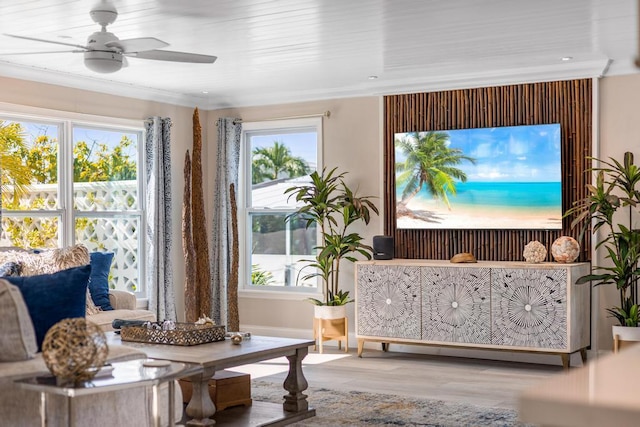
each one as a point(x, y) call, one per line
point(382, 247)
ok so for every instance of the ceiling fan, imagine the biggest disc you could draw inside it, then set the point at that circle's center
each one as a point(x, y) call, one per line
point(105, 53)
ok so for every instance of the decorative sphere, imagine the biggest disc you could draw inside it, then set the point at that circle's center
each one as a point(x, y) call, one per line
point(565, 249)
point(534, 251)
point(236, 338)
point(74, 350)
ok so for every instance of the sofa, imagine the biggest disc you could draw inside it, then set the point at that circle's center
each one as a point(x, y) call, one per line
point(121, 304)
point(50, 285)
point(124, 307)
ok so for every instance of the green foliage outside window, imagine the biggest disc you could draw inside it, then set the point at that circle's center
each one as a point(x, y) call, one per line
point(25, 164)
point(260, 277)
point(274, 162)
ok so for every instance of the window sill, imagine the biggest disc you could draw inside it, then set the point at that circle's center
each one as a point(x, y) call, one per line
point(275, 294)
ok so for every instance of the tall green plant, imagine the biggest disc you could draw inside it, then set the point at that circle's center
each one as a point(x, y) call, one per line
point(334, 207)
point(615, 190)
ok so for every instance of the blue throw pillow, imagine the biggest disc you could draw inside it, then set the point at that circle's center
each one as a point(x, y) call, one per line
point(99, 281)
point(53, 297)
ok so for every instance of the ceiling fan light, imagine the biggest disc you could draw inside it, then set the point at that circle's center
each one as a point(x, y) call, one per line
point(103, 62)
point(104, 13)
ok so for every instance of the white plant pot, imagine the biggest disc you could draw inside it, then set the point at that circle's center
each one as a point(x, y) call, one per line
point(626, 333)
point(329, 311)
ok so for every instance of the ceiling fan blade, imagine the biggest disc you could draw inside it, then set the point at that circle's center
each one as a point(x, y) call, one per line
point(42, 52)
point(46, 41)
point(167, 55)
point(137, 45)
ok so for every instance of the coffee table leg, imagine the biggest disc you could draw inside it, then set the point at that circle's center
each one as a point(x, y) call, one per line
point(296, 383)
point(200, 408)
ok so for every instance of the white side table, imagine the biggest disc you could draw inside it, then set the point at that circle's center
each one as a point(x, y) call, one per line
point(125, 375)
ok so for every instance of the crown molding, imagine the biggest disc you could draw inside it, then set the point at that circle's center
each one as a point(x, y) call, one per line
point(383, 86)
point(44, 75)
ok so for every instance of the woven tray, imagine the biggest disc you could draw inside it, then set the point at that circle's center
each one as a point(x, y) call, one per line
point(183, 334)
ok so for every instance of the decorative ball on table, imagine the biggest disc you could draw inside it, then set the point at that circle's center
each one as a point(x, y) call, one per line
point(236, 338)
point(534, 252)
point(74, 350)
point(565, 249)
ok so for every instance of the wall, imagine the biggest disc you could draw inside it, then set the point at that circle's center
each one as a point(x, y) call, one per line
point(619, 132)
point(352, 142)
point(33, 94)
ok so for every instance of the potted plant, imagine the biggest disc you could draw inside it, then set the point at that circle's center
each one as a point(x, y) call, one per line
point(609, 207)
point(334, 208)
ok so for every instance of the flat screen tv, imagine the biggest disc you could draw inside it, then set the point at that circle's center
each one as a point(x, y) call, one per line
point(483, 178)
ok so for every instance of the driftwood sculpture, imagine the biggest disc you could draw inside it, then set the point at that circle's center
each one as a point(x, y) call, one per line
point(232, 285)
point(192, 311)
point(200, 245)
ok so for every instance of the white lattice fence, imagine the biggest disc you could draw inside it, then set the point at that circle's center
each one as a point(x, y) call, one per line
point(119, 234)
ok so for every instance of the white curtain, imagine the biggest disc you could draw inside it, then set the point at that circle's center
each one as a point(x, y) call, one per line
point(228, 159)
point(158, 233)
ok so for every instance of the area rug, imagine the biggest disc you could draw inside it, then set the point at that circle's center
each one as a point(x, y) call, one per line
point(354, 408)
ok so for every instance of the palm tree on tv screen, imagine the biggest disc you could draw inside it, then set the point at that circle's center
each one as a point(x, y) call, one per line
point(270, 163)
point(430, 163)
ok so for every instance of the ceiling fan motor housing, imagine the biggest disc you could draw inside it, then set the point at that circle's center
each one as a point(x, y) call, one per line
point(103, 61)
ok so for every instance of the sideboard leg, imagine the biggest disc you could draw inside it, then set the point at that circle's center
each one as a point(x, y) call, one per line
point(583, 355)
point(385, 346)
point(566, 360)
point(360, 346)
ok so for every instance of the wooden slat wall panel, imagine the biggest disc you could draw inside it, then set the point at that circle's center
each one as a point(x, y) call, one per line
point(564, 102)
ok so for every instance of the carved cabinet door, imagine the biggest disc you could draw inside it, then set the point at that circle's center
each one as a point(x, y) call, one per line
point(388, 301)
point(456, 305)
point(529, 307)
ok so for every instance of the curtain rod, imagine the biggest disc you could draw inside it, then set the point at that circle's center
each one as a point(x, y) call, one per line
point(305, 116)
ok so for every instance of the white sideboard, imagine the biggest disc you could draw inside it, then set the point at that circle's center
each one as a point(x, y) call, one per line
point(514, 306)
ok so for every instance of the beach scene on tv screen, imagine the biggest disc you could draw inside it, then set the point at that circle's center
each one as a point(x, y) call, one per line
point(483, 178)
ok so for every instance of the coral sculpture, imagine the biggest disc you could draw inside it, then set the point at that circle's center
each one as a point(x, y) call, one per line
point(534, 252)
point(565, 249)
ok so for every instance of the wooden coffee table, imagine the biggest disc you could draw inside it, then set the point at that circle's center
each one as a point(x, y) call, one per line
point(216, 356)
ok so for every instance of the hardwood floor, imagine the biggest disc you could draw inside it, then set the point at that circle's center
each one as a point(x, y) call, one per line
point(475, 381)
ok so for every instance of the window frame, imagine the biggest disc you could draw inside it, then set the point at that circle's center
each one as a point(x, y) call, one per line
point(244, 211)
point(65, 211)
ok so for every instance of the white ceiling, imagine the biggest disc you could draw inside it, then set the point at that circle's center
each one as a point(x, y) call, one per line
point(276, 51)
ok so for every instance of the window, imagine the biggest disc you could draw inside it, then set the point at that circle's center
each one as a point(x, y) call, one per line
point(66, 181)
point(276, 156)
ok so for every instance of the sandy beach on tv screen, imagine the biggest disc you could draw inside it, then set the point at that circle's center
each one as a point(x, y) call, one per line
point(434, 214)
